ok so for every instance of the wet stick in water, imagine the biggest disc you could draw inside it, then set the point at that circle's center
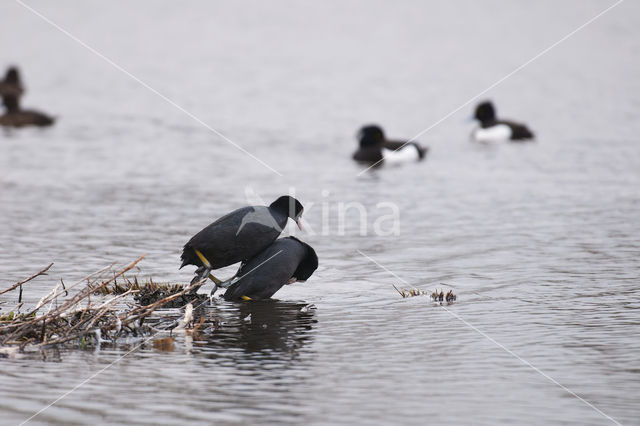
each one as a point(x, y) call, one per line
point(19, 284)
point(75, 300)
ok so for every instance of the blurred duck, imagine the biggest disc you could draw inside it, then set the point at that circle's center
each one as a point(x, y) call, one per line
point(493, 130)
point(11, 85)
point(17, 117)
point(286, 261)
point(375, 149)
point(238, 236)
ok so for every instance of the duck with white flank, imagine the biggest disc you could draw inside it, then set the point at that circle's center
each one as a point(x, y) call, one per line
point(286, 261)
point(493, 130)
point(239, 236)
point(376, 150)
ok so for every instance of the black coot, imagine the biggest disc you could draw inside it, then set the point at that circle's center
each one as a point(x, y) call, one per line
point(17, 117)
point(494, 130)
point(285, 261)
point(374, 148)
point(239, 235)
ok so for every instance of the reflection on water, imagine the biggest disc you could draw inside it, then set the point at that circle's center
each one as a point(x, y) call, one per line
point(269, 328)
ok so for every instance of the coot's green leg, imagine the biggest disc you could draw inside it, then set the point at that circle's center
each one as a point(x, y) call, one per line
point(226, 283)
point(207, 270)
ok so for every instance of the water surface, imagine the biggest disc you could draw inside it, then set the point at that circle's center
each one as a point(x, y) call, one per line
point(540, 241)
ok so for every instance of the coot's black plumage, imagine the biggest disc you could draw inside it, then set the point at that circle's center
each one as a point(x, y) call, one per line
point(17, 117)
point(493, 129)
point(375, 148)
point(11, 84)
point(286, 260)
point(240, 235)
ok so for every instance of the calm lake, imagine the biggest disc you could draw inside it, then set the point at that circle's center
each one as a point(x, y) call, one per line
point(540, 241)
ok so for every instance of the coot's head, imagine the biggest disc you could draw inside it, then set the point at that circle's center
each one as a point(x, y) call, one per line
point(485, 112)
point(371, 135)
point(12, 75)
point(289, 206)
point(308, 265)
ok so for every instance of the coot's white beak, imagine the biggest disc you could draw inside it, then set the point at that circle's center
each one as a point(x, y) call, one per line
point(299, 223)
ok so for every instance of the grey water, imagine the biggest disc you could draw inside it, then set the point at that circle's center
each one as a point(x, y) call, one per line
point(540, 241)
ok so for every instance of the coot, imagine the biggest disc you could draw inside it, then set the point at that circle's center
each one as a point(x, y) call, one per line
point(285, 261)
point(239, 235)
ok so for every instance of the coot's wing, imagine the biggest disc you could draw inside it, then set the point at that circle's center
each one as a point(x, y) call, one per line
point(261, 282)
point(258, 230)
point(222, 227)
point(267, 272)
point(236, 236)
point(215, 241)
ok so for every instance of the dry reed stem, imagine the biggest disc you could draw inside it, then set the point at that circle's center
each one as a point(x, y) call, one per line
point(16, 285)
point(69, 320)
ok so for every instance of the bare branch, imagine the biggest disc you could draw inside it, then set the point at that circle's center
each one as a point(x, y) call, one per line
point(16, 285)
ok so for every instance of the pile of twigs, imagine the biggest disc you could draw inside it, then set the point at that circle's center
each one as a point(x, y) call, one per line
point(95, 306)
point(150, 292)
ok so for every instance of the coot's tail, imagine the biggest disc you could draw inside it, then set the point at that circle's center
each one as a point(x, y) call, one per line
point(188, 257)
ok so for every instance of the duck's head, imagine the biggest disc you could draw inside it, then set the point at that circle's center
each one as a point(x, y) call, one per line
point(12, 75)
point(289, 206)
point(370, 135)
point(485, 112)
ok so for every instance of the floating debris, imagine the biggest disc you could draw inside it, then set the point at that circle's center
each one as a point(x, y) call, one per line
point(308, 307)
point(188, 317)
point(152, 293)
point(149, 292)
point(436, 296)
point(63, 316)
point(412, 292)
point(450, 297)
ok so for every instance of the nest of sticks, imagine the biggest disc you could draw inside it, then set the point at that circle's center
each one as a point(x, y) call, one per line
point(96, 306)
point(437, 295)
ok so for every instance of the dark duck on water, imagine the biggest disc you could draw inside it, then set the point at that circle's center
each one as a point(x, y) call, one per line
point(239, 236)
point(286, 261)
point(17, 117)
